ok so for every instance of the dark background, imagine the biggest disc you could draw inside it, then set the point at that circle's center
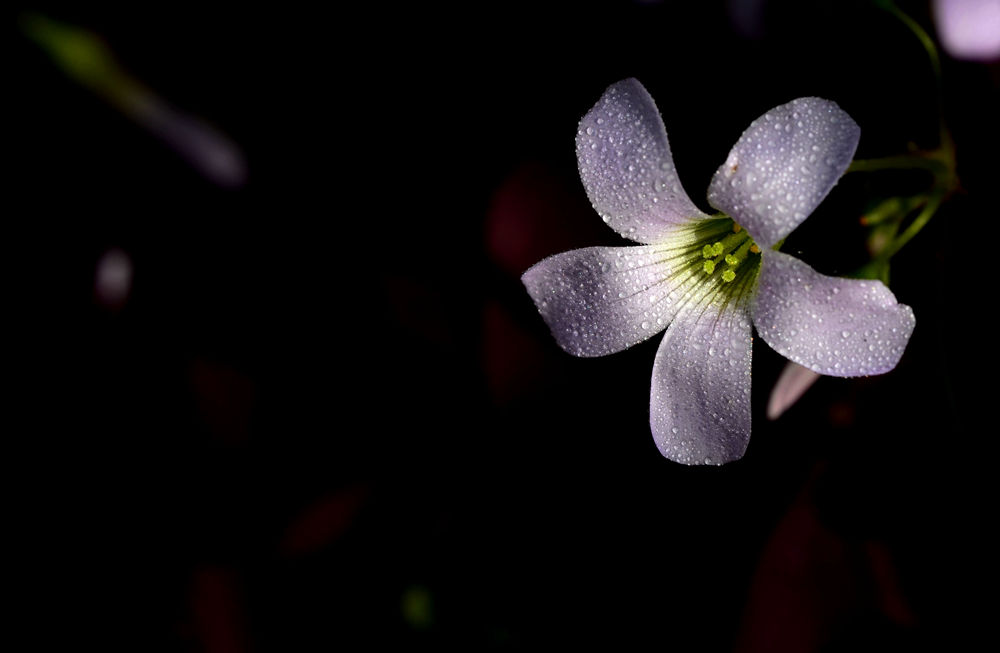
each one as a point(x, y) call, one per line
point(329, 417)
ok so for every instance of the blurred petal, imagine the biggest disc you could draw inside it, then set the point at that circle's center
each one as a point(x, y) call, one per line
point(601, 300)
point(834, 326)
point(205, 148)
point(783, 166)
point(969, 29)
point(626, 166)
point(85, 58)
point(113, 278)
point(699, 408)
point(792, 384)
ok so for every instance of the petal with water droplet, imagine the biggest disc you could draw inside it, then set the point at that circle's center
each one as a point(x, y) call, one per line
point(626, 166)
point(784, 164)
point(600, 300)
point(699, 408)
point(834, 326)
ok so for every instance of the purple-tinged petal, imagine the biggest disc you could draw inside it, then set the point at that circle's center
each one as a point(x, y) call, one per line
point(601, 300)
point(792, 383)
point(699, 408)
point(626, 166)
point(969, 29)
point(834, 326)
point(783, 166)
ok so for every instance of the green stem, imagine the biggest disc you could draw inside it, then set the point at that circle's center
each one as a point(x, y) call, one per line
point(921, 34)
point(901, 162)
point(932, 53)
point(918, 223)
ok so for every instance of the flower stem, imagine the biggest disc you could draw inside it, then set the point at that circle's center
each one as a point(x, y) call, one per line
point(918, 223)
point(901, 162)
point(932, 53)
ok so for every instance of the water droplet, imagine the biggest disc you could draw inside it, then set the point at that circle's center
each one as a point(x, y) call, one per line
point(845, 334)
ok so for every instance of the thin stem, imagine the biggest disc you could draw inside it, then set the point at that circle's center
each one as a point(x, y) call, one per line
point(918, 223)
point(901, 162)
point(932, 53)
point(921, 34)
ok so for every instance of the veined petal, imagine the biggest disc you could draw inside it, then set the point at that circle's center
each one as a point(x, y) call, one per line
point(783, 166)
point(601, 300)
point(626, 165)
point(699, 408)
point(834, 326)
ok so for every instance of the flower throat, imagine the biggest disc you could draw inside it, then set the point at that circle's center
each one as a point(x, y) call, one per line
point(726, 251)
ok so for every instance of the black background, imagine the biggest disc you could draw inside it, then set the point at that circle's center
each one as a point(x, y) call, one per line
point(329, 392)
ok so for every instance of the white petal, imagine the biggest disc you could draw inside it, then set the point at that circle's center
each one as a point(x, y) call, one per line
point(626, 166)
point(783, 166)
point(834, 326)
point(601, 300)
point(699, 408)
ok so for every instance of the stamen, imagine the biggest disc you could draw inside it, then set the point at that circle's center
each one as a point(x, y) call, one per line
point(729, 243)
point(740, 254)
point(726, 256)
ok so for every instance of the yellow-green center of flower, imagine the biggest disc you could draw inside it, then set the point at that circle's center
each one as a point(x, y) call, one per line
point(728, 253)
point(713, 260)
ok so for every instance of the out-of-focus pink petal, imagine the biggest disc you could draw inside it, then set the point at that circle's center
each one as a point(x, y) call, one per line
point(792, 383)
point(113, 278)
point(205, 148)
point(969, 29)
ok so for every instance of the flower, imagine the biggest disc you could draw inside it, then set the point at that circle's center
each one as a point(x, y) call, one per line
point(707, 278)
point(969, 29)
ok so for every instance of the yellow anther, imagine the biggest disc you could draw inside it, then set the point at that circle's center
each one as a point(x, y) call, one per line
point(729, 275)
point(709, 267)
point(755, 249)
point(707, 251)
point(736, 228)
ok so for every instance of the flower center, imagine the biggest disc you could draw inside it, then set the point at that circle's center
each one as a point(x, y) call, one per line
point(722, 259)
point(731, 250)
point(713, 260)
